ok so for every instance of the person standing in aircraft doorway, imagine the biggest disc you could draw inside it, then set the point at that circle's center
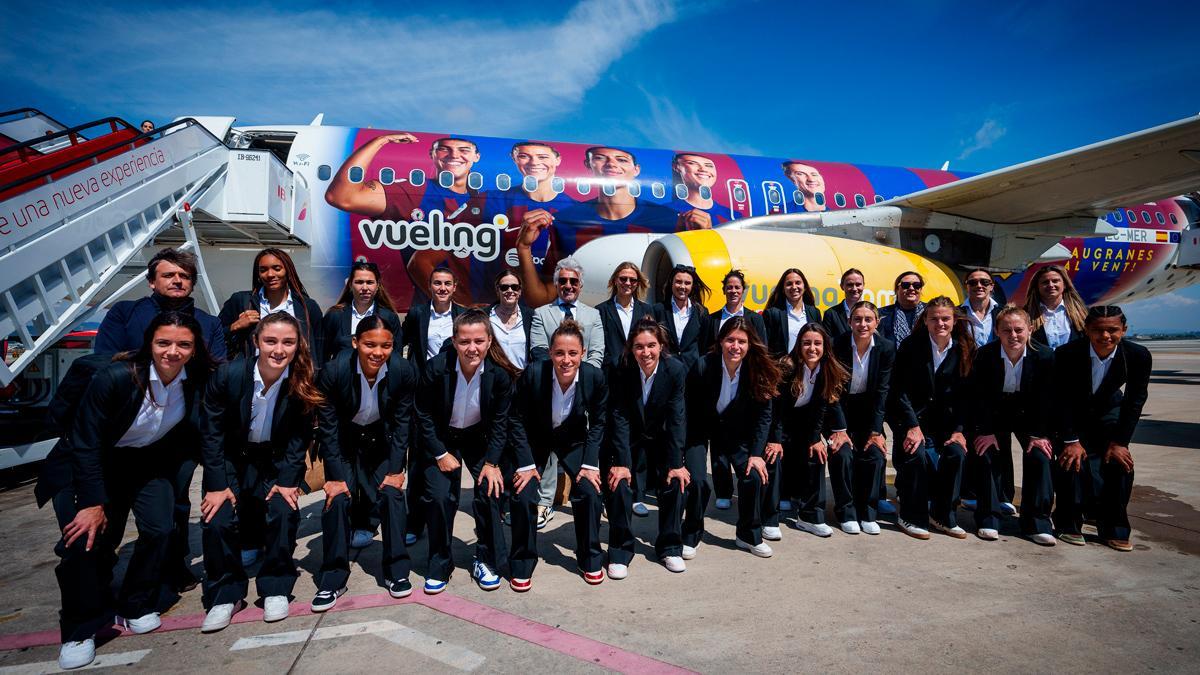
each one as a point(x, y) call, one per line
point(447, 191)
point(697, 210)
point(531, 213)
point(810, 185)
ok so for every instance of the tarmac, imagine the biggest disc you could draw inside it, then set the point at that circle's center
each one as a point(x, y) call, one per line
point(842, 604)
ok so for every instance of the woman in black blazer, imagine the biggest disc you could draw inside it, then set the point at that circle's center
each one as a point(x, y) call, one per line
point(275, 287)
point(1103, 381)
point(837, 318)
point(648, 417)
point(256, 426)
point(682, 312)
point(928, 401)
point(133, 428)
point(812, 384)
point(1055, 308)
point(364, 427)
point(1012, 391)
point(462, 406)
point(733, 286)
point(729, 407)
point(790, 306)
point(363, 296)
point(562, 407)
point(868, 357)
point(511, 318)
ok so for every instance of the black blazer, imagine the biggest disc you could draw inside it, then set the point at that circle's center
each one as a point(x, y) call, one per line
point(660, 423)
point(415, 332)
point(887, 323)
point(935, 401)
point(435, 402)
point(1039, 336)
point(802, 425)
point(1109, 411)
point(712, 328)
point(339, 381)
point(776, 321)
point(108, 409)
point(615, 336)
point(741, 430)
point(688, 348)
point(335, 329)
point(532, 427)
point(239, 343)
point(225, 428)
point(526, 322)
point(1034, 400)
point(835, 320)
point(879, 377)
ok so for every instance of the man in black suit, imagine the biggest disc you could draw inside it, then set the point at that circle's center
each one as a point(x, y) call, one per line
point(1097, 420)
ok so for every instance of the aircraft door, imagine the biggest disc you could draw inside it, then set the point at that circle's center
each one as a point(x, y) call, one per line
point(773, 197)
point(739, 198)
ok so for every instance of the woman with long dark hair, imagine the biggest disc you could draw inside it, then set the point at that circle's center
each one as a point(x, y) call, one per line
point(681, 312)
point(275, 287)
point(133, 428)
point(790, 307)
point(1055, 307)
point(364, 295)
point(256, 426)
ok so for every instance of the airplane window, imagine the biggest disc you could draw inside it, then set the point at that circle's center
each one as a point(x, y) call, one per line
point(820, 198)
point(356, 174)
point(773, 195)
point(324, 172)
point(1174, 220)
point(1118, 216)
point(681, 191)
point(878, 199)
point(583, 186)
point(1131, 215)
point(739, 194)
point(558, 185)
point(659, 190)
point(416, 177)
point(705, 192)
point(387, 176)
point(839, 199)
point(1146, 217)
point(860, 201)
point(446, 179)
point(503, 182)
point(609, 188)
point(529, 183)
point(1160, 219)
point(475, 180)
point(797, 197)
point(635, 189)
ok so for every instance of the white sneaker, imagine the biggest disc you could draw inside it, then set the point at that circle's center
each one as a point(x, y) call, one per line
point(912, 530)
point(819, 529)
point(1043, 539)
point(689, 552)
point(771, 533)
point(361, 538)
point(870, 527)
point(76, 654)
point(851, 527)
point(617, 571)
point(723, 504)
point(639, 509)
point(142, 624)
point(275, 608)
point(956, 531)
point(760, 550)
point(988, 534)
point(219, 616)
point(674, 563)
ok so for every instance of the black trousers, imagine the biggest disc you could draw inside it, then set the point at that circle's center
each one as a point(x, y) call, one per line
point(179, 559)
point(751, 494)
point(367, 456)
point(930, 474)
point(857, 480)
point(523, 555)
point(441, 504)
point(225, 578)
point(722, 474)
point(586, 504)
point(1099, 489)
point(135, 483)
point(989, 473)
point(417, 506)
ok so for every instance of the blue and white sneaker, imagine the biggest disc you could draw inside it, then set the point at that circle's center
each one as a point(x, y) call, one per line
point(484, 576)
point(885, 507)
point(249, 557)
point(361, 538)
point(968, 504)
point(410, 539)
point(433, 586)
point(1008, 509)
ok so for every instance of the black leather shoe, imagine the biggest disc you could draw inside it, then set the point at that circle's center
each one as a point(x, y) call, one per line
point(399, 588)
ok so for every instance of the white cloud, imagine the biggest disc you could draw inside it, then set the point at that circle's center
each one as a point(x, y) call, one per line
point(670, 127)
point(985, 136)
point(266, 64)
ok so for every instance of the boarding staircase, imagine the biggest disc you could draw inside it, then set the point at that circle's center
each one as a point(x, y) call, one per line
point(78, 205)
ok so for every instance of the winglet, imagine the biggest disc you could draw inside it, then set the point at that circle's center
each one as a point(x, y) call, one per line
point(316, 122)
point(946, 165)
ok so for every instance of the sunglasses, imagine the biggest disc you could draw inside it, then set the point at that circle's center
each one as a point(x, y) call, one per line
point(568, 281)
point(509, 287)
point(917, 285)
point(979, 282)
point(627, 280)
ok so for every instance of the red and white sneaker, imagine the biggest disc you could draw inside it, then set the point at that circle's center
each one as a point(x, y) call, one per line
point(520, 585)
point(594, 578)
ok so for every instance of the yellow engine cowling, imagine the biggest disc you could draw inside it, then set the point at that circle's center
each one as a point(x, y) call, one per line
point(762, 256)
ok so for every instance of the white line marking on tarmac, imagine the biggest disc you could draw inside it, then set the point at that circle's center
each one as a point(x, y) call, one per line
point(102, 661)
point(444, 652)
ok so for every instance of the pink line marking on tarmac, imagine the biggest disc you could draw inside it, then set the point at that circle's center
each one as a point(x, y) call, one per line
point(549, 637)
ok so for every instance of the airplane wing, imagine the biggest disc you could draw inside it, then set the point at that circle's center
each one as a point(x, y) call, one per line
point(1086, 182)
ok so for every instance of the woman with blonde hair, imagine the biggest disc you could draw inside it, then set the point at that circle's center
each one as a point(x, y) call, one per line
point(1055, 309)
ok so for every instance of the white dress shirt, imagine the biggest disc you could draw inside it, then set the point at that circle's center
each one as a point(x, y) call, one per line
point(625, 314)
point(647, 382)
point(512, 340)
point(265, 308)
point(681, 316)
point(561, 403)
point(810, 383)
point(729, 387)
point(262, 406)
point(981, 329)
point(368, 397)
point(355, 317)
point(441, 326)
point(466, 411)
point(939, 356)
point(795, 323)
point(1057, 325)
point(862, 364)
point(162, 408)
point(1012, 372)
point(1100, 367)
point(727, 315)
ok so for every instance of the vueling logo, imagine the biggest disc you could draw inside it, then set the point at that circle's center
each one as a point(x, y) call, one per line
point(435, 233)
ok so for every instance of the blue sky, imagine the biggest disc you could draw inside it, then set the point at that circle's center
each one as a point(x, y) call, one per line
point(881, 82)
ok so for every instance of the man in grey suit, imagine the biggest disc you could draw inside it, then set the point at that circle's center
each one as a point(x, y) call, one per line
point(568, 277)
